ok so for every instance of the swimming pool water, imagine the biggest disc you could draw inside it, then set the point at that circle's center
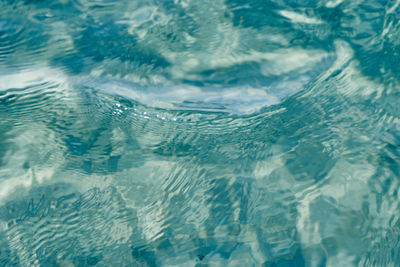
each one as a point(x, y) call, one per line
point(199, 133)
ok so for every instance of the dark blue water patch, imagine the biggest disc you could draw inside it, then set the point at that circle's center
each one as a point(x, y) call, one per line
point(309, 162)
point(291, 260)
point(144, 256)
point(86, 260)
point(107, 40)
point(300, 3)
point(4, 146)
point(72, 62)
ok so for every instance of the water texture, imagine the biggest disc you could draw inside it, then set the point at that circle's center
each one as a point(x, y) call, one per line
point(199, 133)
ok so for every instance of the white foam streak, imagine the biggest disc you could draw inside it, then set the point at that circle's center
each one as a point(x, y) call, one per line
point(299, 18)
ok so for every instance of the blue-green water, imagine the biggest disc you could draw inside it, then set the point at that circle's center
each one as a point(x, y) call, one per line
point(199, 133)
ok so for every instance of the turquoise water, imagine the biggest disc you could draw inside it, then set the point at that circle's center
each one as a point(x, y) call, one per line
point(199, 133)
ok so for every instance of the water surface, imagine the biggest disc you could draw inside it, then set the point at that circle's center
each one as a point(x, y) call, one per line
point(199, 133)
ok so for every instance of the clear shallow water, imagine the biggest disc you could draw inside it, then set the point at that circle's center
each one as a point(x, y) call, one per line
point(221, 133)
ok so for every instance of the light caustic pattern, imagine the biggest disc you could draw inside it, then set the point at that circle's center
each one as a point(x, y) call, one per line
point(199, 132)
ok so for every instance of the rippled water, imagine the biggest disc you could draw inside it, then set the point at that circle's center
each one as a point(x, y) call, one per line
point(199, 133)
